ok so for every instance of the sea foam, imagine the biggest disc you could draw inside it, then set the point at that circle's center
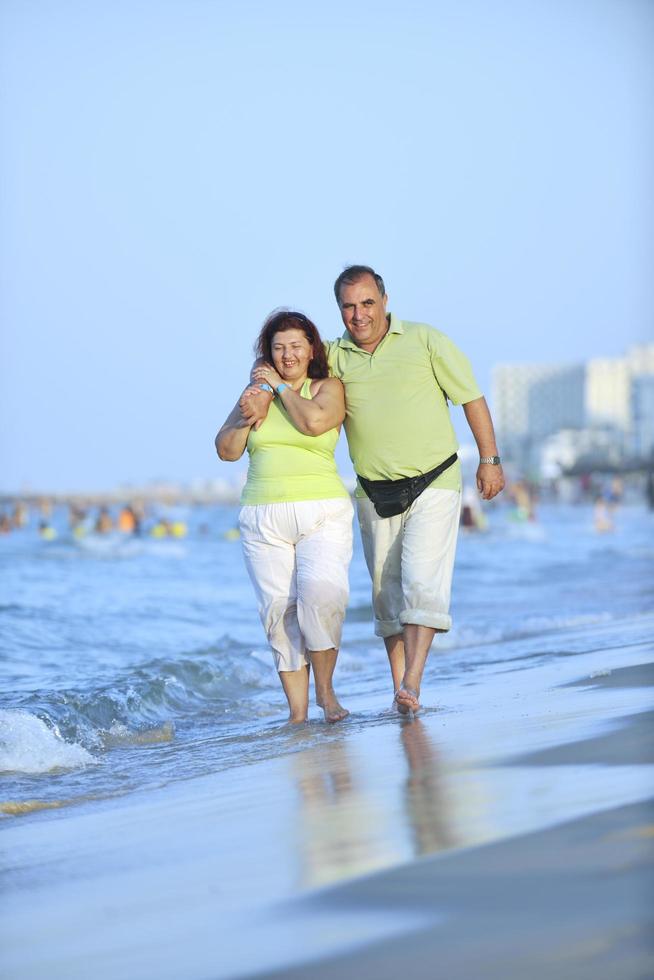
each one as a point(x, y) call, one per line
point(28, 745)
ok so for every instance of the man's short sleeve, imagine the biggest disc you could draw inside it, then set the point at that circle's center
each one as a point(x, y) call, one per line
point(330, 349)
point(452, 369)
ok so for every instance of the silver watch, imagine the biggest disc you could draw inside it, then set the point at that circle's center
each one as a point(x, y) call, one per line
point(493, 460)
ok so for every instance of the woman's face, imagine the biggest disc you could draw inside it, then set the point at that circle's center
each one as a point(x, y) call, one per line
point(291, 353)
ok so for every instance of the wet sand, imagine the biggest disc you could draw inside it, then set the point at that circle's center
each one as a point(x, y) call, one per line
point(574, 901)
point(507, 833)
point(571, 902)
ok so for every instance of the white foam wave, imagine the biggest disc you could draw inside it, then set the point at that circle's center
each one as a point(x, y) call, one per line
point(529, 626)
point(118, 546)
point(28, 745)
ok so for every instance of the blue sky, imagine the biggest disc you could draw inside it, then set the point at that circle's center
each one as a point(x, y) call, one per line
point(171, 171)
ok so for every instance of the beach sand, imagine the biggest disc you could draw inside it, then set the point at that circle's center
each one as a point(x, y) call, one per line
point(573, 901)
point(508, 834)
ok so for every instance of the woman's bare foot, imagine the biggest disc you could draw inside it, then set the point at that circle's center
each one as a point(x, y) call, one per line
point(406, 700)
point(333, 710)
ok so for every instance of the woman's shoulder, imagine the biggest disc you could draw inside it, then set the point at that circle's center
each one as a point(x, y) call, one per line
point(325, 384)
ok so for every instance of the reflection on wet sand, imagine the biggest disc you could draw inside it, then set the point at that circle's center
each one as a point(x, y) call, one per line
point(348, 825)
point(426, 801)
point(343, 832)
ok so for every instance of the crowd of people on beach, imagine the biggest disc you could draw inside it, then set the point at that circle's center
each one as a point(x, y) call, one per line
point(523, 497)
point(125, 520)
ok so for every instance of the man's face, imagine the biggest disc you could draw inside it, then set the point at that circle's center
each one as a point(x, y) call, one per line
point(364, 312)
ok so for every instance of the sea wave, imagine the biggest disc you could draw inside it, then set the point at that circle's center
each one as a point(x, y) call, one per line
point(29, 745)
point(142, 706)
point(462, 637)
point(118, 546)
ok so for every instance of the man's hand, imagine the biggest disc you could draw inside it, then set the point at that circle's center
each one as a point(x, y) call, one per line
point(253, 405)
point(490, 480)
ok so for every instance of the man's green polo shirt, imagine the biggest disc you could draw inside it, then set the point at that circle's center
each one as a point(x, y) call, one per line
point(397, 420)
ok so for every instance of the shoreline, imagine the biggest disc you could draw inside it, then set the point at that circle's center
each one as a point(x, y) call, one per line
point(369, 842)
point(573, 900)
point(570, 900)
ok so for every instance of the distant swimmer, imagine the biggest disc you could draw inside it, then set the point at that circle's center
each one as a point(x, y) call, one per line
point(20, 516)
point(296, 515)
point(103, 523)
point(602, 519)
point(161, 529)
point(524, 498)
point(472, 517)
point(127, 522)
point(46, 531)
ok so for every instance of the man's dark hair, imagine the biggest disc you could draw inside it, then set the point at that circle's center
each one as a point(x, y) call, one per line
point(281, 320)
point(355, 273)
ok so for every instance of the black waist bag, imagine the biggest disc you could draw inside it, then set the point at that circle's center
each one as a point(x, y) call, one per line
point(391, 497)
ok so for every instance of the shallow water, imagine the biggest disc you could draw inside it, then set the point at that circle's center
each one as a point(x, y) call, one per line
point(126, 665)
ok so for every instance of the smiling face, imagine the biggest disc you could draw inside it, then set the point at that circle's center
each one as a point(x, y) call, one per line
point(291, 354)
point(364, 312)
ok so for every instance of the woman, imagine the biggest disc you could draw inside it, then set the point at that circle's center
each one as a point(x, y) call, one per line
point(296, 518)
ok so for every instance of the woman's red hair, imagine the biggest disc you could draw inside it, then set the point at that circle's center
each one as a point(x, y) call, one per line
point(282, 320)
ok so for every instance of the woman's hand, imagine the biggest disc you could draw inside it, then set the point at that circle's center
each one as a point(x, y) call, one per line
point(266, 374)
point(253, 406)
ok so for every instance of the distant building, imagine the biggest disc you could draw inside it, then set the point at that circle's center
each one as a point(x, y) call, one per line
point(617, 396)
point(563, 450)
point(532, 402)
point(557, 402)
point(640, 359)
point(642, 413)
point(608, 386)
point(551, 416)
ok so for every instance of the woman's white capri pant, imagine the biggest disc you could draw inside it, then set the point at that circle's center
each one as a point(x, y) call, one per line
point(297, 556)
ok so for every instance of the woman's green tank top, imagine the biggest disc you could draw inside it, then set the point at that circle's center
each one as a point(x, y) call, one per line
point(286, 465)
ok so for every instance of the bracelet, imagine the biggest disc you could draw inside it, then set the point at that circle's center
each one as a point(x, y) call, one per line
point(266, 387)
point(280, 387)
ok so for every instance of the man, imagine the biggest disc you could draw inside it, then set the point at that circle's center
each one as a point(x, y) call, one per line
point(398, 378)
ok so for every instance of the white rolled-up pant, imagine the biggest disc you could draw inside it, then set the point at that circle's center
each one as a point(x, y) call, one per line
point(410, 558)
point(297, 556)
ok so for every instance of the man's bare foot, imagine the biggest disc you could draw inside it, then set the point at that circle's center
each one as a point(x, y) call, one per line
point(332, 709)
point(406, 700)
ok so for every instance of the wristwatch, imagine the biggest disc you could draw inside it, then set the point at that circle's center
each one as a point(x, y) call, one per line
point(493, 460)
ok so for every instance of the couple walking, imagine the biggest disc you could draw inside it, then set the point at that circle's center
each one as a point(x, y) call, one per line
point(389, 382)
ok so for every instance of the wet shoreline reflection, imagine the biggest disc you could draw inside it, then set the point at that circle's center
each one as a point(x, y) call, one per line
point(425, 797)
point(354, 818)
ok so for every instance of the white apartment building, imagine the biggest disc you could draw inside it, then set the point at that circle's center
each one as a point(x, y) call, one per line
point(511, 384)
point(531, 402)
point(608, 393)
point(642, 412)
point(611, 397)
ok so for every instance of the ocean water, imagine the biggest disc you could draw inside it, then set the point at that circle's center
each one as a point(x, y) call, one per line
point(130, 664)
